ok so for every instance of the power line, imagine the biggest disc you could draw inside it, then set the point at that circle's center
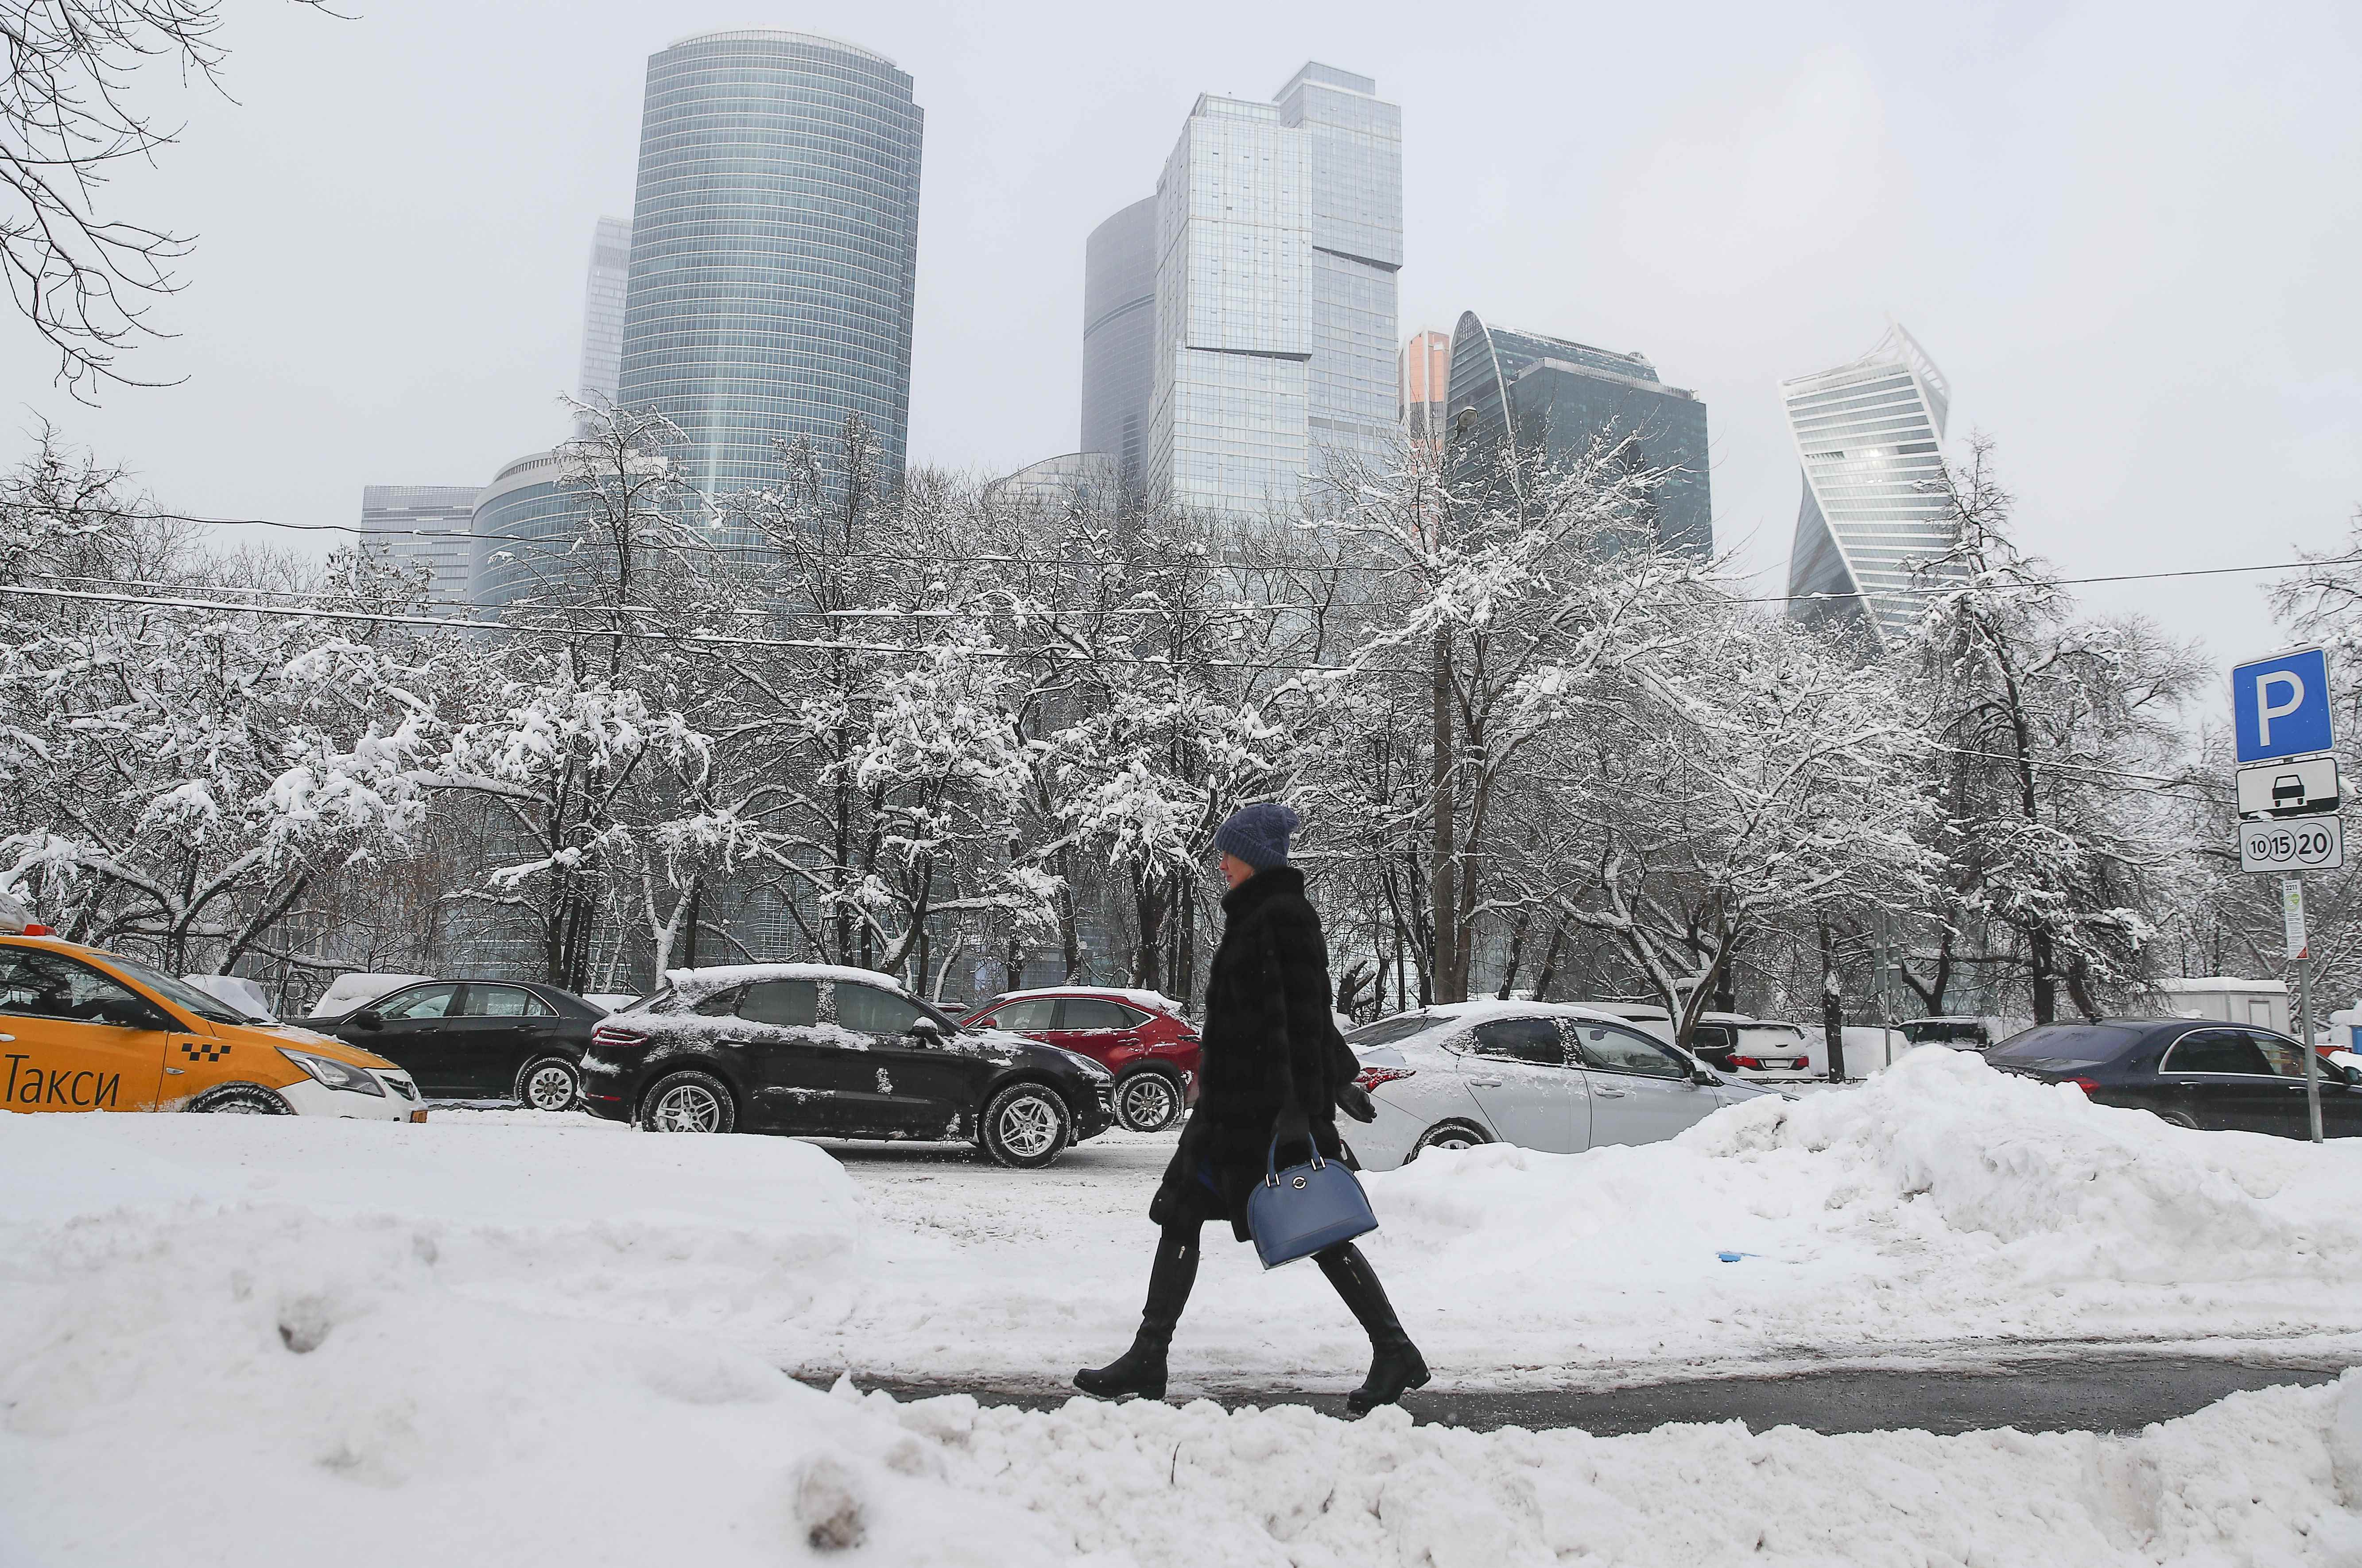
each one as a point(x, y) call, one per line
point(692, 638)
point(569, 544)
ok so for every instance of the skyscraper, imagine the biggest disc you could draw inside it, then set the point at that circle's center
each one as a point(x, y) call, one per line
point(1424, 385)
point(1278, 236)
point(414, 525)
point(775, 237)
point(1565, 398)
point(1869, 437)
point(603, 311)
point(1119, 326)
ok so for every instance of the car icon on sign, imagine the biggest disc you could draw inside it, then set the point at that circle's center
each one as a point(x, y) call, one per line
point(2287, 789)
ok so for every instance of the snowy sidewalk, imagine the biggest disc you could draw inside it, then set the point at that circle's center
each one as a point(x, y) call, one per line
point(267, 1340)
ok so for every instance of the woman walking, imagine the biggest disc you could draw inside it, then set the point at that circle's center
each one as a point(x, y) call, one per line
point(1268, 1068)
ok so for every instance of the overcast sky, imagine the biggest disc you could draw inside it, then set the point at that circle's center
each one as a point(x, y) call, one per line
point(2128, 233)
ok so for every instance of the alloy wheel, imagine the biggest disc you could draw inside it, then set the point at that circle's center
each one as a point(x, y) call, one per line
point(1028, 1126)
point(690, 1108)
point(551, 1088)
point(1147, 1103)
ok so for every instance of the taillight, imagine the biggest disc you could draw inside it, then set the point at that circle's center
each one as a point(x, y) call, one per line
point(2089, 1086)
point(1371, 1078)
point(618, 1034)
point(1752, 1064)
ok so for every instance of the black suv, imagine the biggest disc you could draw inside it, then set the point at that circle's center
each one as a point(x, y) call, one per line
point(478, 1039)
point(2192, 1072)
point(835, 1052)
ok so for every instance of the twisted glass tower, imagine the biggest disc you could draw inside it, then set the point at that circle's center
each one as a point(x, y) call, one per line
point(1118, 322)
point(775, 235)
point(1869, 436)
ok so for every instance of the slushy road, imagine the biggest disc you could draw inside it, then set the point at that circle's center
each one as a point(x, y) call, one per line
point(2118, 1394)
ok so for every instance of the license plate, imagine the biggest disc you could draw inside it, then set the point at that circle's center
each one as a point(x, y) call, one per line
point(418, 1115)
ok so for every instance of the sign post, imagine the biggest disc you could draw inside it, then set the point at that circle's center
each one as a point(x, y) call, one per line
point(2288, 793)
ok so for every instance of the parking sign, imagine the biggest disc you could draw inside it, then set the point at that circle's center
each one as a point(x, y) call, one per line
point(2279, 706)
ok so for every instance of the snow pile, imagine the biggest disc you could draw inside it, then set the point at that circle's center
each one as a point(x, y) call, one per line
point(1942, 1201)
point(206, 1363)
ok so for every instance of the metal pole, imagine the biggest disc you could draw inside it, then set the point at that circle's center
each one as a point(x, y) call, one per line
point(2311, 1057)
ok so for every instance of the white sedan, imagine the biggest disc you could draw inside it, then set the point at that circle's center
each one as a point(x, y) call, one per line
point(1548, 1076)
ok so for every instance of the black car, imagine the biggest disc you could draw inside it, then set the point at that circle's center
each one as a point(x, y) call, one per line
point(831, 1053)
point(479, 1039)
point(2192, 1072)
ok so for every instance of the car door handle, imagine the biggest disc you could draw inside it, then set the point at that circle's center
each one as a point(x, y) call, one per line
point(10, 1038)
point(1485, 1083)
point(1609, 1093)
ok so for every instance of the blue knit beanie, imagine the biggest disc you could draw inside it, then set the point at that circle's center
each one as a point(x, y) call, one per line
point(1258, 834)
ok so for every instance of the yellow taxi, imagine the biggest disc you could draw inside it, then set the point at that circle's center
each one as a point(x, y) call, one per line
point(81, 1029)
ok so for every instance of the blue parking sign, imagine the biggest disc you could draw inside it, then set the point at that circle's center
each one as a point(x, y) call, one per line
point(2279, 706)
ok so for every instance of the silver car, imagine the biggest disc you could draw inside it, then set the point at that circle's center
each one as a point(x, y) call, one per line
point(1548, 1076)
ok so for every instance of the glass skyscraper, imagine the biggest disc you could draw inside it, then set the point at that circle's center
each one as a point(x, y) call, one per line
point(603, 311)
point(1278, 239)
point(1426, 376)
point(1869, 437)
point(413, 525)
point(1565, 398)
point(1118, 330)
point(775, 235)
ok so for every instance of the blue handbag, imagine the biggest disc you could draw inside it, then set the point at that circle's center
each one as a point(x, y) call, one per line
point(1297, 1212)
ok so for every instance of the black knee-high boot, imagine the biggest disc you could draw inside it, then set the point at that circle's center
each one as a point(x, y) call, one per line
point(1395, 1363)
point(1140, 1370)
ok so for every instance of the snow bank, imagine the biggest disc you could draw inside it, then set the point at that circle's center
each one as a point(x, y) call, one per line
point(206, 1362)
point(1942, 1200)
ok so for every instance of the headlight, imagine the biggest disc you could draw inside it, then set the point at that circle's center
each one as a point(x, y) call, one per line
point(334, 1074)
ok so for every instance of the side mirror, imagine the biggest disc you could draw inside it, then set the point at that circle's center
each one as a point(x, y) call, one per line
point(926, 1032)
point(2353, 1077)
point(1704, 1075)
point(369, 1018)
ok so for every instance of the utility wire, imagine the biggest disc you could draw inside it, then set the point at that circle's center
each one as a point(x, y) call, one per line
point(571, 544)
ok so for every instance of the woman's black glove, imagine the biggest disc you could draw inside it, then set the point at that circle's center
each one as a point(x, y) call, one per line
point(1354, 1101)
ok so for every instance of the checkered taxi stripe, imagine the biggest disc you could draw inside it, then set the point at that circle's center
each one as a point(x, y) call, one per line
point(204, 1050)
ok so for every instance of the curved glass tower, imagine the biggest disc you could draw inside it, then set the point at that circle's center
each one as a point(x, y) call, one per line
point(1119, 332)
point(1868, 435)
point(1566, 398)
point(774, 236)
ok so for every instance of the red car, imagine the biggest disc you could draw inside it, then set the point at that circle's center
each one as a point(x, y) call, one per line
point(1139, 1036)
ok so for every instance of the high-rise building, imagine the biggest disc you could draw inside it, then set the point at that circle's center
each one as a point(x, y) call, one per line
point(1567, 399)
point(1868, 437)
point(1423, 386)
point(524, 521)
point(1087, 480)
point(602, 312)
point(1118, 327)
point(1278, 239)
point(414, 525)
point(774, 233)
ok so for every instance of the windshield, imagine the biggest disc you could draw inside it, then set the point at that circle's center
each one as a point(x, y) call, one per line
point(2063, 1047)
point(182, 994)
point(1386, 1030)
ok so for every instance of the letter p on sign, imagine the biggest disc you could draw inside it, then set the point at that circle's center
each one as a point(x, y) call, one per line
point(2279, 706)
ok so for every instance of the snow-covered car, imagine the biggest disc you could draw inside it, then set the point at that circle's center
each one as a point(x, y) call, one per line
point(1961, 1031)
point(83, 1029)
point(828, 1052)
point(1550, 1076)
point(1760, 1049)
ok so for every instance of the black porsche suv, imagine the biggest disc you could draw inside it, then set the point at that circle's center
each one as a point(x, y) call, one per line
point(835, 1052)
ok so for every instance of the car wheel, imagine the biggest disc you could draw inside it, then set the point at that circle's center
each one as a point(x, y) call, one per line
point(2176, 1119)
point(240, 1099)
point(1025, 1126)
point(1448, 1135)
point(1147, 1101)
point(549, 1084)
point(688, 1101)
